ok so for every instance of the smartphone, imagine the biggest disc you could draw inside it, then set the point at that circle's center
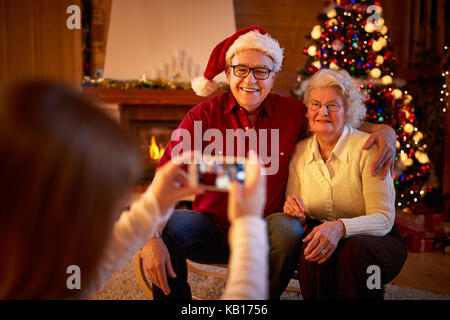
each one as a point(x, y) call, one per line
point(216, 173)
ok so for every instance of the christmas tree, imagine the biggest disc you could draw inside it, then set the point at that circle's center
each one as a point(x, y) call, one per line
point(351, 35)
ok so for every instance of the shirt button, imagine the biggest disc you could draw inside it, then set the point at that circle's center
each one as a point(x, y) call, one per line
point(282, 153)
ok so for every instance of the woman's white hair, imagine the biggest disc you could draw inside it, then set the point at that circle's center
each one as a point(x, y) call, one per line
point(355, 108)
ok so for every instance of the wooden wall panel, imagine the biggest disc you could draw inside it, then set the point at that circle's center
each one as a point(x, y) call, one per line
point(3, 57)
point(399, 29)
point(101, 11)
point(36, 42)
point(288, 21)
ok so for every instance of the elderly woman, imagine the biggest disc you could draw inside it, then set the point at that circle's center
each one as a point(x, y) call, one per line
point(351, 248)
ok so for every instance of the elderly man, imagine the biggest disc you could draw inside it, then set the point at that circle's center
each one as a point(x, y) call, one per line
point(251, 59)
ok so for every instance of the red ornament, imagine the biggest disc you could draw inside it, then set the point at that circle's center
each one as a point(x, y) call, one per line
point(388, 55)
point(388, 96)
point(312, 69)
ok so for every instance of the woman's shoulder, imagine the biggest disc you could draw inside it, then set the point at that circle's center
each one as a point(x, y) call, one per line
point(357, 140)
point(357, 137)
point(304, 143)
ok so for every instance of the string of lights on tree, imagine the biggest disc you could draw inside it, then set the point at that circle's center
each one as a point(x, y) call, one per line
point(347, 38)
point(445, 74)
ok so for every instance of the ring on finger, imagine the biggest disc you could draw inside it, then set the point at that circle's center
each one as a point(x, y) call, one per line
point(324, 252)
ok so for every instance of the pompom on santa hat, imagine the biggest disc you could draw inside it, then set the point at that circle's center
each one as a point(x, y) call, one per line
point(253, 37)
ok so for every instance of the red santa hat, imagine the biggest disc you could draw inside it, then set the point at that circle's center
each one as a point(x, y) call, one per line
point(253, 37)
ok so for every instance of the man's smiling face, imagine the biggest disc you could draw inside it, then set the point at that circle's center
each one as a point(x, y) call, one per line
point(250, 92)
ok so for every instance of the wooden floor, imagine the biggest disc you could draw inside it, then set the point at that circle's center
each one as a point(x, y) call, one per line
point(428, 271)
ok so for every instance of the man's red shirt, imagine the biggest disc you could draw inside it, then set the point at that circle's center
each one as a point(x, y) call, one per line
point(222, 112)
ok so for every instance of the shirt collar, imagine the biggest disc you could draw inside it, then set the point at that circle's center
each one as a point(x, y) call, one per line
point(315, 153)
point(231, 103)
point(340, 150)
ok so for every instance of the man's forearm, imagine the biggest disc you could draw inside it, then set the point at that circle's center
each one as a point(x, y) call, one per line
point(371, 127)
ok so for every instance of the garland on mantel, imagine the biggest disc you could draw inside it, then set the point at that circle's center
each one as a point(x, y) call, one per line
point(141, 83)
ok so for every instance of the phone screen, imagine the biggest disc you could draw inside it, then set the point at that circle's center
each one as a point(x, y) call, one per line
point(219, 175)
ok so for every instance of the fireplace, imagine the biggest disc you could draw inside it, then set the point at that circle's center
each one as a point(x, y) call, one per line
point(152, 137)
point(150, 116)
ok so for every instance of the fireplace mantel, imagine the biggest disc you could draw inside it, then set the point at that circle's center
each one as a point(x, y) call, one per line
point(148, 104)
point(147, 96)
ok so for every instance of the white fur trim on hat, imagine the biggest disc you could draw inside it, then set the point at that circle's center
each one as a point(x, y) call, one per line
point(255, 40)
point(203, 87)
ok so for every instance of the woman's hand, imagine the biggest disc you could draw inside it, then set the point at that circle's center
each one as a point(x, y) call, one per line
point(385, 137)
point(171, 184)
point(294, 206)
point(323, 240)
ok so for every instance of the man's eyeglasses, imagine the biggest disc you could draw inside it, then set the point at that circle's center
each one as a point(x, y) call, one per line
point(259, 73)
point(316, 105)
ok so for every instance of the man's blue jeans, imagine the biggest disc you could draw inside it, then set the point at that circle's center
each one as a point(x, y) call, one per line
point(192, 235)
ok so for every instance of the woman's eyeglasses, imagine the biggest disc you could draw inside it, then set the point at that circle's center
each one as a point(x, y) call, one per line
point(259, 73)
point(316, 105)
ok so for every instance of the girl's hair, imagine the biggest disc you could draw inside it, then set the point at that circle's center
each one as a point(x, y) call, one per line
point(355, 109)
point(65, 166)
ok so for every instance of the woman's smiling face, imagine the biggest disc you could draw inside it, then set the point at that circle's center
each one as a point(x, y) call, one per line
point(250, 92)
point(323, 121)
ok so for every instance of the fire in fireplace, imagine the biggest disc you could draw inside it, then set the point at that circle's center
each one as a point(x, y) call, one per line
point(152, 137)
point(155, 151)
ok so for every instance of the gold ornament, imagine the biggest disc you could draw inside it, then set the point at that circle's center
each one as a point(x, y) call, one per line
point(377, 46)
point(316, 32)
point(408, 128)
point(331, 13)
point(312, 51)
point(406, 161)
point(334, 66)
point(397, 93)
point(422, 157)
point(379, 60)
point(375, 73)
point(369, 27)
point(386, 79)
point(408, 99)
point(382, 41)
point(317, 64)
point(332, 22)
point(418, 136)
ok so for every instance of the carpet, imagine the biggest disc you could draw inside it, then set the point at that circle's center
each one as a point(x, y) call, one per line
point(123, 285)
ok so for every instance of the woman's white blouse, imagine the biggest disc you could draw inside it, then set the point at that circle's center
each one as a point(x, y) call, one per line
point(343, 187)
